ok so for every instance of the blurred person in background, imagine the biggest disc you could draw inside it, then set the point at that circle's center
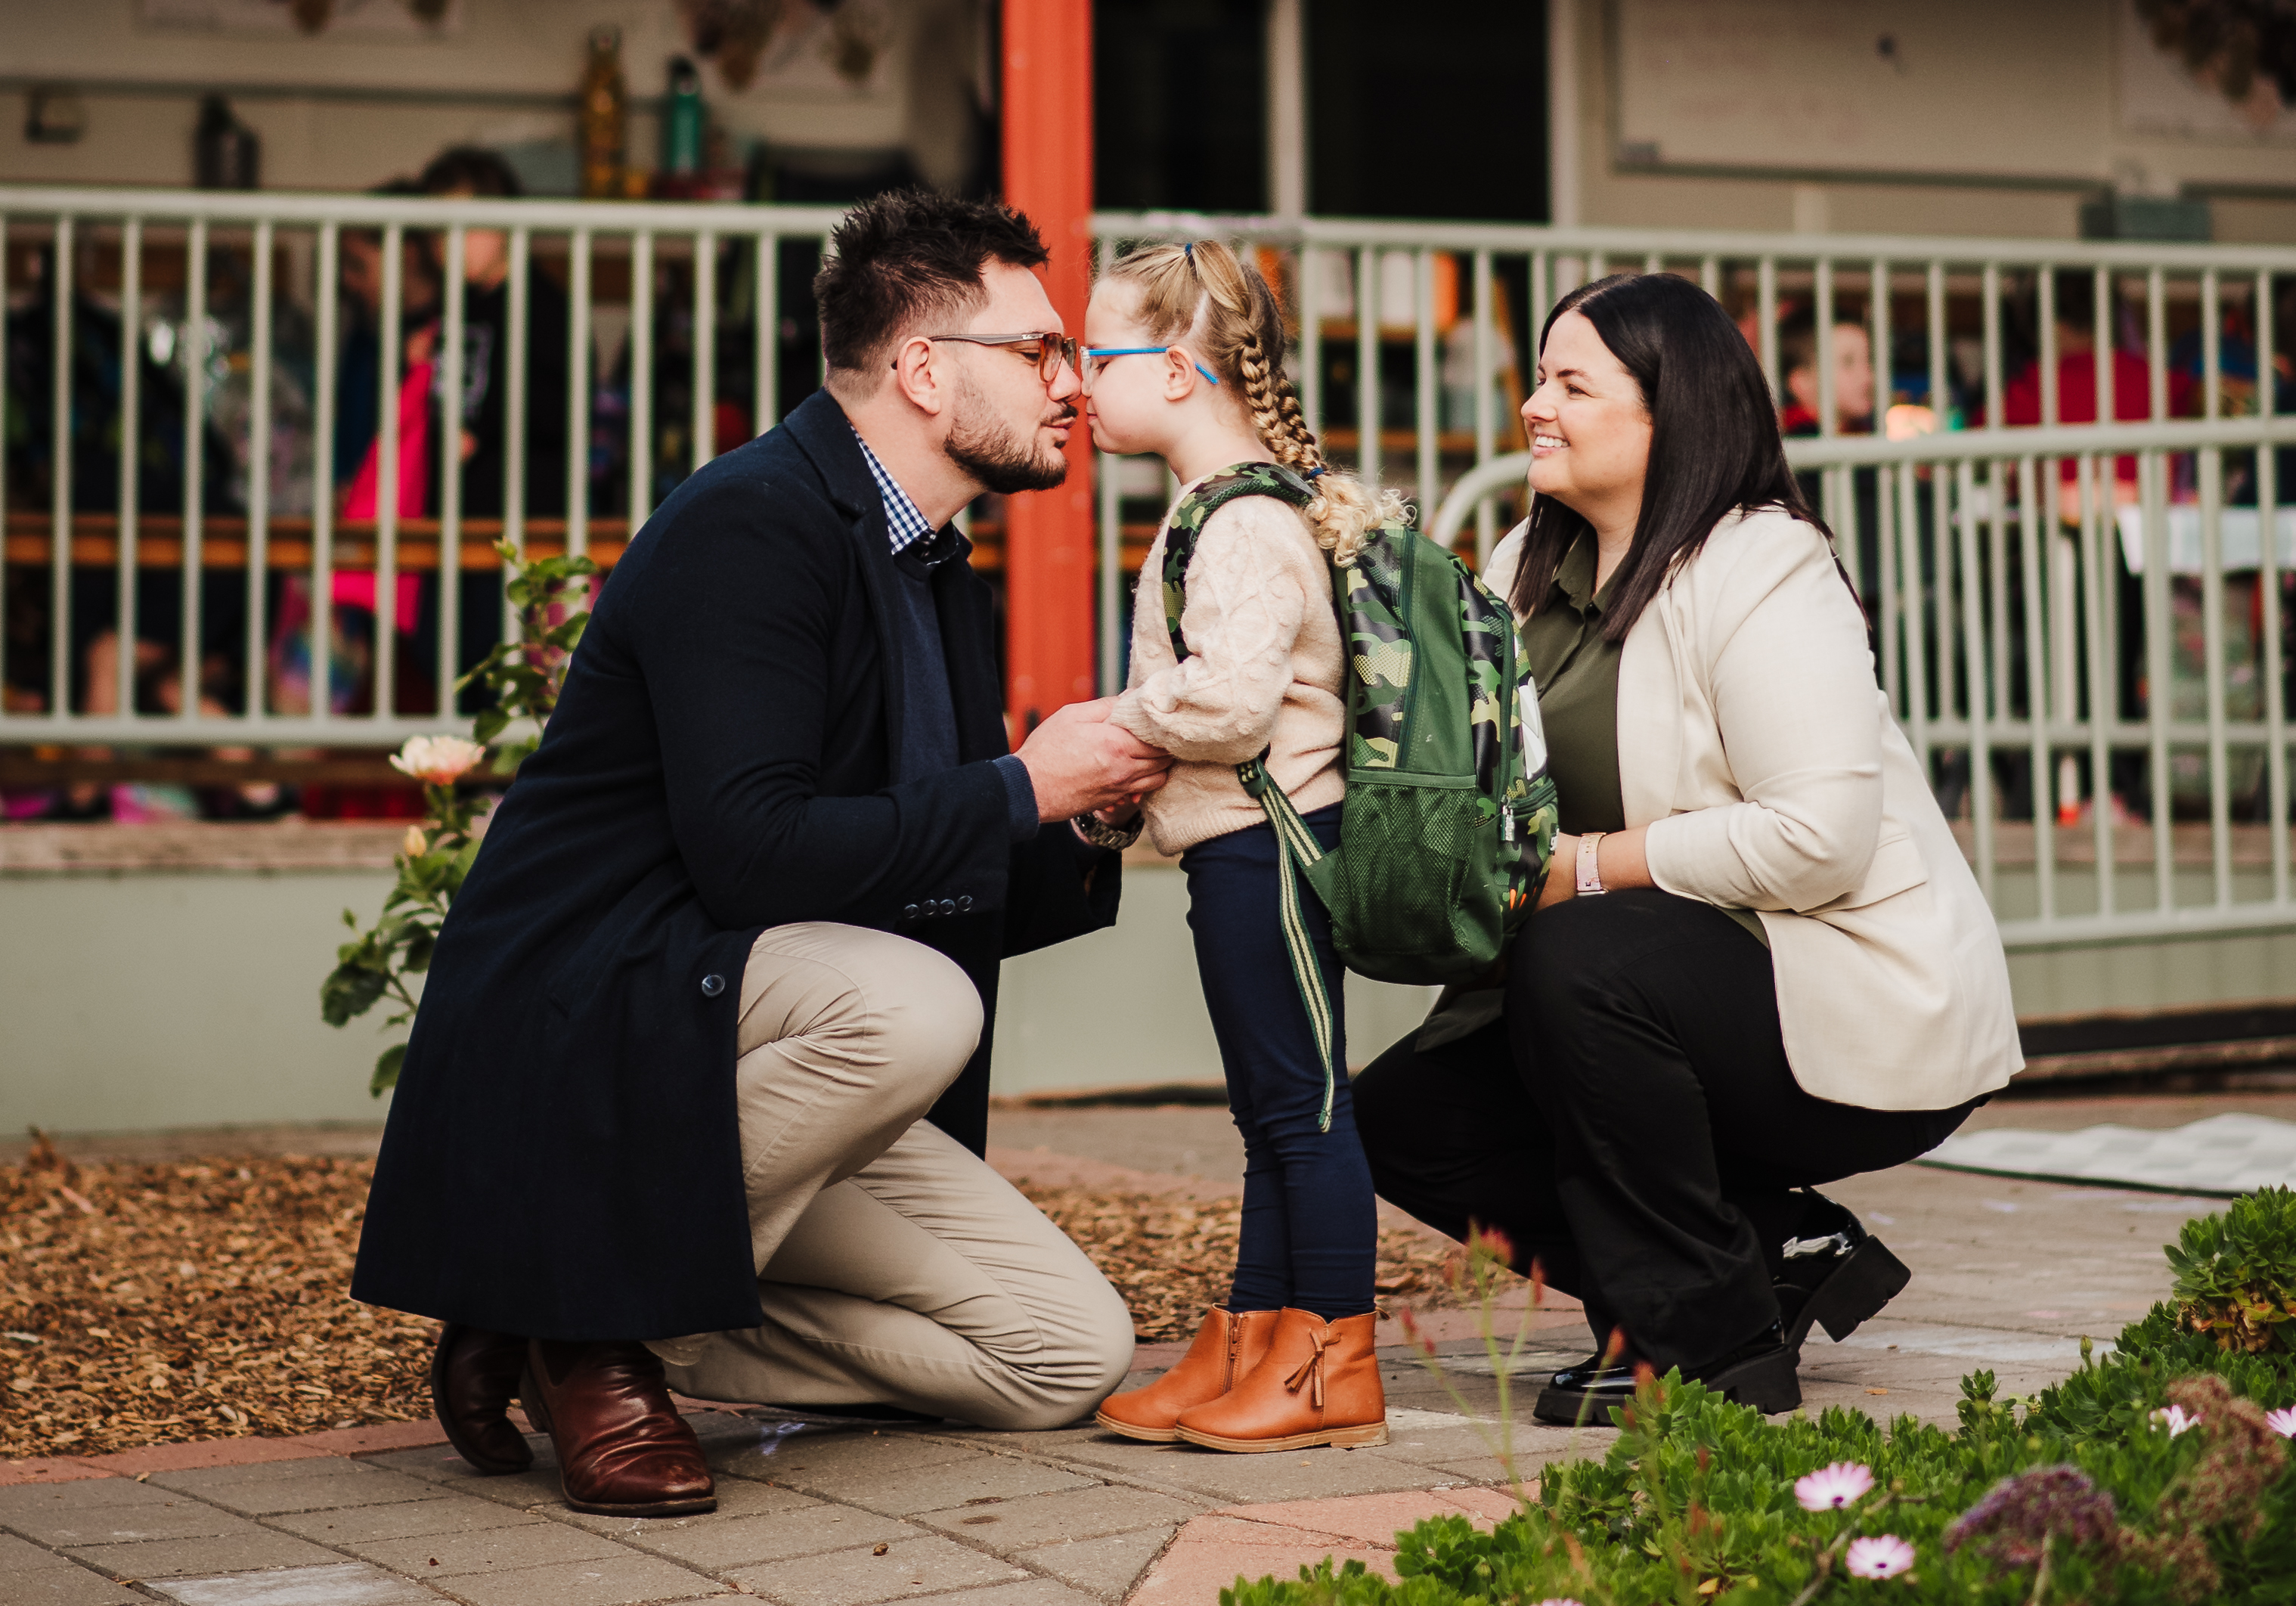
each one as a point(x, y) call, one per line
point(359, 364)
point(482, 414)
point(1853, 375)
point(1853, 415)
point(2077, 371)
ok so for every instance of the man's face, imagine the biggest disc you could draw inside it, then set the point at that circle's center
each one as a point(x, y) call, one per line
point(1007, 428)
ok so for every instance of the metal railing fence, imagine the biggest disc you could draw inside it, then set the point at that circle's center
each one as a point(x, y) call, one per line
point(285, 255)
point(2075, 677)
point(2025, 631)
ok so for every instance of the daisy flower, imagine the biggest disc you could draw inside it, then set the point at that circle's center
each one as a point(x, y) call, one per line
point(2177, 1419)
point(1831, 1488)
point(1880, 1556)
point(2282, 1421)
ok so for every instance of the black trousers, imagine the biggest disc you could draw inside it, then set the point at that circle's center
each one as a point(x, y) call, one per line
point(1631, 1124)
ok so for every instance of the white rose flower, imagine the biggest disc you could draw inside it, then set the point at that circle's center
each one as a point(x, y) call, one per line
point(438, 760)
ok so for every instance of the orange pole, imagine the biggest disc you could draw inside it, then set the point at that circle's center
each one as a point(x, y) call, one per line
point(1048, 535)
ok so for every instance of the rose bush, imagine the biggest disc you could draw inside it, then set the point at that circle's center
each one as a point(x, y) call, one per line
point(523, 677)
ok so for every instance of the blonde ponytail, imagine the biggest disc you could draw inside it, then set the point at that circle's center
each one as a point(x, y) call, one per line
point(1223, 306)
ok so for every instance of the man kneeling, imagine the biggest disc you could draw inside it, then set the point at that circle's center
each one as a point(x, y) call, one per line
point(700, 1077)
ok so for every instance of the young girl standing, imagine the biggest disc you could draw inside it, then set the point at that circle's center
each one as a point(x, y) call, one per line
point(1184, 348)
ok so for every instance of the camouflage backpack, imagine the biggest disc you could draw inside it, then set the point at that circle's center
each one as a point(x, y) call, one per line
point(1450, 815)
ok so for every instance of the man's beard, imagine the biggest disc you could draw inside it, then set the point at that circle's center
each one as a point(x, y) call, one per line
point(987, 448)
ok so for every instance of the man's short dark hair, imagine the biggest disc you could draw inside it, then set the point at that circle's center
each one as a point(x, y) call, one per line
point(2076, 297)
point(473, 168)
point(907, 256)
point(1798, 338)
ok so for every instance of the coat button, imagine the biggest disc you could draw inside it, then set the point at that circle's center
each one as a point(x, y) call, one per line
point(712, 985)
point(947, 906)
point(965, 903)
point(909, 912)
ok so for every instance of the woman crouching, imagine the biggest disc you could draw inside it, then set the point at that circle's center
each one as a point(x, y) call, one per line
point(1761, 961)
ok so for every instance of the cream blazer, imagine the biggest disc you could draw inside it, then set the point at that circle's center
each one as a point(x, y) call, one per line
point(1756, 745)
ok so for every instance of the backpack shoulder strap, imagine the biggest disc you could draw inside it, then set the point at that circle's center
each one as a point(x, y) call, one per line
point(1195, 509)
point(1297, 844)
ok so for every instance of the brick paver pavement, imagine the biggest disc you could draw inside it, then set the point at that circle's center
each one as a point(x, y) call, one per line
point(2008, 1276)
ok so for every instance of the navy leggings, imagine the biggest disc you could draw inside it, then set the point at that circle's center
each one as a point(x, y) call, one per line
point(1310, 1223)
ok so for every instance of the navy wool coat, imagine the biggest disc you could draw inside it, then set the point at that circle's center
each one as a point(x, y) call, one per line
point(562, 1158)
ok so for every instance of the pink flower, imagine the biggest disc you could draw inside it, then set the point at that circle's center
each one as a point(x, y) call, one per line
point(2282, 1421)
point(437, 760)
point(1881, 1556)
point(1830, 1488)
point(1413, 1333)
point(1559, 1601)
point(2177, 1419)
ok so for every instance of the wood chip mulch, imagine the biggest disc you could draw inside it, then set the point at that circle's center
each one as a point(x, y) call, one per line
point(161, 1302)
point(153, 1304)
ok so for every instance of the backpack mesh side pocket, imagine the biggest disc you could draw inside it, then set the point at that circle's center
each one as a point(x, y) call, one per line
point(1406, 892)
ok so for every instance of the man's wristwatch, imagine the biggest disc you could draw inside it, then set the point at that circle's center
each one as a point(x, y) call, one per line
point(1100, 835)
point(1590, 872)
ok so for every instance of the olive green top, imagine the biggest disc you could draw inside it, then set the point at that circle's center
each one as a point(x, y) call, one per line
point(1577, 672)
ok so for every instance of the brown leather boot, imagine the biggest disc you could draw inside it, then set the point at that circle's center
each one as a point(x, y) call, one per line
point(473, 1373)
point(623, 1450)
point(1227, 1346)
point(1318, 1384)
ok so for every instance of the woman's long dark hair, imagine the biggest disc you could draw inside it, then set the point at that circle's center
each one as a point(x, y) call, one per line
point(1714, 437)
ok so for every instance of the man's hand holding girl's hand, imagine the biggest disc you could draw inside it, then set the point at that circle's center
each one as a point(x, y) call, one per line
point(1080, 764)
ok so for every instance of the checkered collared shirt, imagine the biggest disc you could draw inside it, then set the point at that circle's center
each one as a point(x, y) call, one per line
point(902, 521)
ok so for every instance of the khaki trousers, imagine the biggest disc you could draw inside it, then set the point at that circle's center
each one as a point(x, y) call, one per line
point(894, 1266)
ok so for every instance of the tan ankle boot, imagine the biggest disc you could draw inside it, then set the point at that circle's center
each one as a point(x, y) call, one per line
point(1227, 1346)
point(1318, 1385)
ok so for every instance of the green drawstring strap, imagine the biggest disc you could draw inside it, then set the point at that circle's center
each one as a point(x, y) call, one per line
point(1295, 842)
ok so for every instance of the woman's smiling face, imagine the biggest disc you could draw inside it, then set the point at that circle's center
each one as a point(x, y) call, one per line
point(1590, 432)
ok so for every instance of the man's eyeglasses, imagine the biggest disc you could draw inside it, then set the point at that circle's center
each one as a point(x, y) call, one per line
point(1048, 351)
point(1094, 355)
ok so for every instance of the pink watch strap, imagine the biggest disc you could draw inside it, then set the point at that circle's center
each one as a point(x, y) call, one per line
point(1590, 873)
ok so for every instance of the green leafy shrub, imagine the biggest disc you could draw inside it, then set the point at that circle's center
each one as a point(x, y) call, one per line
point(2149, 1476)
point(2236, 1272)
point(523, 675)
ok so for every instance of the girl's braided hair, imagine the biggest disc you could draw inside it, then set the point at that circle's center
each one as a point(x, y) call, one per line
point(1220, 304)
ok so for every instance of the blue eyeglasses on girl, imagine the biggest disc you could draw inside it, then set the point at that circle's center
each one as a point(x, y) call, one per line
point(1094, 355)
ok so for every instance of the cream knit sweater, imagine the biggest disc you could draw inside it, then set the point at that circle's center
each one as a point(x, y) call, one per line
point(1263, 672)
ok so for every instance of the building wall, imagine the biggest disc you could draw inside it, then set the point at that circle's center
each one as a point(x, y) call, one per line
point(2070, 62)
point(503, 76)
point(147, 1000)
point(150, 1000)
point(343, 112)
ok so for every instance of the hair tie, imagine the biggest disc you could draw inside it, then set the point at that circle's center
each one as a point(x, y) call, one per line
point(1311, 474)
point(1189, 248)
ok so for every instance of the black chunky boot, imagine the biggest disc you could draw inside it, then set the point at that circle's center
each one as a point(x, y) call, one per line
point(1759, 1373)
point(1835, 1273)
